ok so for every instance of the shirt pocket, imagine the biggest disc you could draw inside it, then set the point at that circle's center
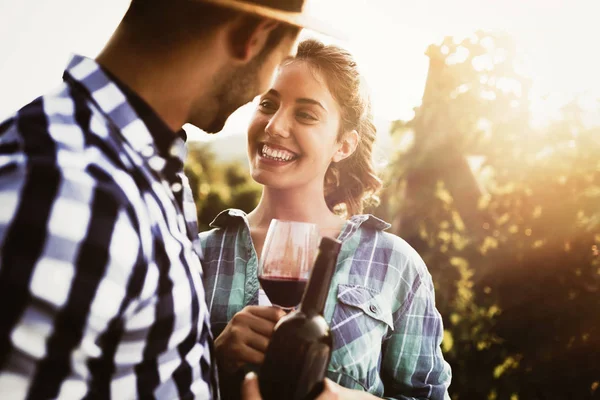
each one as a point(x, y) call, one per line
point(361, 320)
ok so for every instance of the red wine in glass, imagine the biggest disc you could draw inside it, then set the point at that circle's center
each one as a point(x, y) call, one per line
point(287, 260)
point(284, 291)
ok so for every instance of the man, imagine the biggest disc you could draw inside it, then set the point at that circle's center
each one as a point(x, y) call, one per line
point(98, 275)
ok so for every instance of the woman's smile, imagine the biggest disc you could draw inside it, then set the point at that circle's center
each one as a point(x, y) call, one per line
point(273, 154)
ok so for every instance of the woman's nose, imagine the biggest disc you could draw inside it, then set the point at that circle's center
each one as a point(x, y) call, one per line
point(278, 126)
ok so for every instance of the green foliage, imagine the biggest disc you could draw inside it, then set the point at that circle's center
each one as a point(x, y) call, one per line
point(217, 186)
point(513, 248)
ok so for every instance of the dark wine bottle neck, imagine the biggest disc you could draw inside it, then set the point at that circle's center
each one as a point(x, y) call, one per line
point(320, 279)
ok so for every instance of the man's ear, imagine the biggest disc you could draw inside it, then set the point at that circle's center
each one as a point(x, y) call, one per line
point(247, 37)
point(348, 146)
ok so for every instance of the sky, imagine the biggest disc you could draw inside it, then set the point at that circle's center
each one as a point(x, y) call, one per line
point(387, 37)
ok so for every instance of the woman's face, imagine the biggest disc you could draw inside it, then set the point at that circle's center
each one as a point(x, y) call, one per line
point(292, 137)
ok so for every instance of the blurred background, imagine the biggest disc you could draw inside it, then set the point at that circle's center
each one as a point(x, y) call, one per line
point(489, 145)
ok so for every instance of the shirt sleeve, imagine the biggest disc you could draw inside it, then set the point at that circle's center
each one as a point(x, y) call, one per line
point(70, 265)
point(413, 366)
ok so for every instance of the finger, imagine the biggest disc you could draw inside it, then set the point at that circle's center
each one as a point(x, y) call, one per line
point(249, 355)
point(257, 341)
point(260, 325)
point(270, 313)
point(250, 389)
point(246, 320)
point(238, 357)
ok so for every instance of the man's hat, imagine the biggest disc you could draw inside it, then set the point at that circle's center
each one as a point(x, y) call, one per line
point(292, 12)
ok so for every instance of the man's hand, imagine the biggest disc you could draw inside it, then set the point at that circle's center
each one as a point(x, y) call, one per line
point(246, 337)
point(331, 391)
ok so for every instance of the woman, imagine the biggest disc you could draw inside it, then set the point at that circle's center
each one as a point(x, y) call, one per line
point(309, 145)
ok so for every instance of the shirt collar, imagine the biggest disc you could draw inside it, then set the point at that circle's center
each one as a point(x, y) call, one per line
point(140, 126)
point(233, 217)
point(163, 136)
point(229, 217)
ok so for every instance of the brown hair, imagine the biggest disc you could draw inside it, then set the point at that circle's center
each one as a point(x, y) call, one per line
point(352, 183)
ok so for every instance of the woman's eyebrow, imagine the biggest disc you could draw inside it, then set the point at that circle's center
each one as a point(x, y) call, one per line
point(305, 100)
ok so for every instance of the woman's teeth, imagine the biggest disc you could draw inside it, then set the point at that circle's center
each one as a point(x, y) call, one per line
point(277, 155)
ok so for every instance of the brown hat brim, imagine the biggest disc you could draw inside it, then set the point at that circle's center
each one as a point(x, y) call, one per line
point(299, 19)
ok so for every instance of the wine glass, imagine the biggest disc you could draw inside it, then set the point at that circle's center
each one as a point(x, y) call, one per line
point(286, 262)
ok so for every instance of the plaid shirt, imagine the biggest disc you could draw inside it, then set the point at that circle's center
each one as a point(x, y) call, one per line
point(381, 306)
point(98, 287)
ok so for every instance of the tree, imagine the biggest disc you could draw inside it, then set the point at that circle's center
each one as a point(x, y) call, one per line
point(513, 248)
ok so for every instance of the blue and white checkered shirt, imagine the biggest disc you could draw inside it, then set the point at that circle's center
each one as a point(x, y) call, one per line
point(98, 285)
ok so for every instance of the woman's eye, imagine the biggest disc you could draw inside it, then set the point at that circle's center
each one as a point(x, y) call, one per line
point(306, 116)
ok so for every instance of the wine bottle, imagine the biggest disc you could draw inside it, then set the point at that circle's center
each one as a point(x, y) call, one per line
point(300, 348)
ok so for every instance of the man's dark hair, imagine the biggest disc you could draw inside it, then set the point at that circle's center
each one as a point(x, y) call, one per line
point(167, 22)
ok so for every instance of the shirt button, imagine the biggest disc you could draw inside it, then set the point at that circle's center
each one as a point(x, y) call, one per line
point(373, 308)
point(176, 187)
point(156, 163)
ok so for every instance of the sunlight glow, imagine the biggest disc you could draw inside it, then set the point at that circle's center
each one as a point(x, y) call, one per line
point(388, 38)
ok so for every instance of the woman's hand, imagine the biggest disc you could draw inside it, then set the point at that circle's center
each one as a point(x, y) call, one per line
point(331, 391)
point(245, 338)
